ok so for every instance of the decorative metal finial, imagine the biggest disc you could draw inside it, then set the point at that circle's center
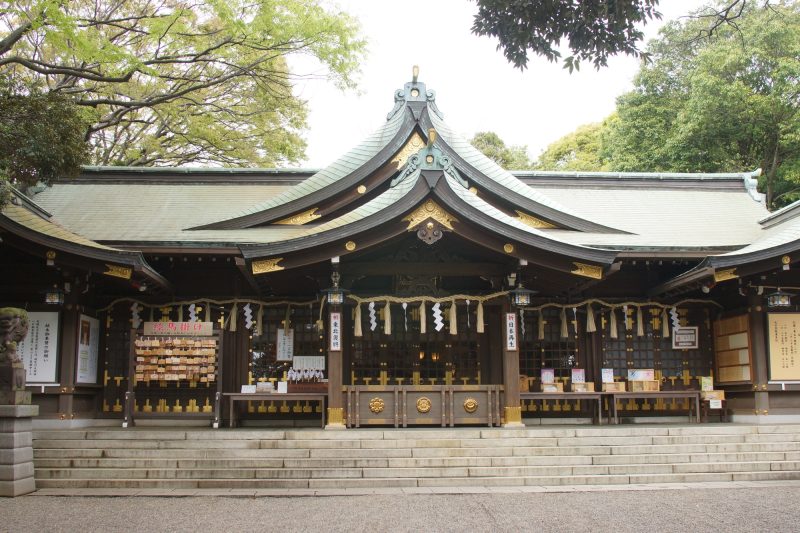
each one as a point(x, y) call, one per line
point(415, 73)
point(431, 136)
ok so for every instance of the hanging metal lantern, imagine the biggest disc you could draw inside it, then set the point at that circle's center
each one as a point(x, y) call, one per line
point(779, 299)
point(520, 296)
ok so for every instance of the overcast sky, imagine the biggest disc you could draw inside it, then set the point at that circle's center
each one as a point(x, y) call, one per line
point(476, 88)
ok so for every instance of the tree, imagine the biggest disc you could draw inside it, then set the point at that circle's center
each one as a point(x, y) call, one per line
point(580, 150)
point(180, 81)
point(41, 137)
point(730, 102)
point(509, 157)
point(593, 29)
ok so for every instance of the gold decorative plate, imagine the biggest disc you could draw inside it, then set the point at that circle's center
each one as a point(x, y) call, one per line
point(423, 405)
point(470, 405)
point(376, 405)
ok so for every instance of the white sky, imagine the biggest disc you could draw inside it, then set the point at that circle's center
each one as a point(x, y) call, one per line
point(476, 88)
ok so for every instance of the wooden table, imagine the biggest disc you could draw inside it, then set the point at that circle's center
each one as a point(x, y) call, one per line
point(689, 394)
point(596, 396)
point(234, 397)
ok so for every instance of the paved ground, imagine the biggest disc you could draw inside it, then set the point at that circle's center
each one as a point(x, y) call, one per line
point(711, 507)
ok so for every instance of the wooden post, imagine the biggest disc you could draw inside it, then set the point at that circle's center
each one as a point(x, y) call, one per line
point(70, 322)
point(335, 401)
point(511, 345)
point(758, 346)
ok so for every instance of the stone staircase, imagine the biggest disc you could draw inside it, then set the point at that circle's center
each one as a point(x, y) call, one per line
point(373, 458)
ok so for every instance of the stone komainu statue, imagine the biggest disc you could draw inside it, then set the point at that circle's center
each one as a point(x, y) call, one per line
point(13, 328)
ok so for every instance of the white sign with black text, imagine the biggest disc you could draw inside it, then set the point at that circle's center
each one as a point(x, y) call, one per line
point(511, 332)
point(40, 348)
point(336, 332)
point(685, 338)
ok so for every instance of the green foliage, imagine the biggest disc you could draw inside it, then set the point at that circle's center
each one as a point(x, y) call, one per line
point(509, 157)
point(41, 136)
point(181, 81)
point(594, 29)
point(580, 150)
point(724, 103)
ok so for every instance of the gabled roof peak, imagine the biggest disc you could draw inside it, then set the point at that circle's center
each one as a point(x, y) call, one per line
point(414, 92)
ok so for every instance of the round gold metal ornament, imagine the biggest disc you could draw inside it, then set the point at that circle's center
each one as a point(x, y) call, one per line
point(376, 405)
point(423, 405)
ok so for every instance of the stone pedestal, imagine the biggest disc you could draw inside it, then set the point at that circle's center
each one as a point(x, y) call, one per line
point(16, 449)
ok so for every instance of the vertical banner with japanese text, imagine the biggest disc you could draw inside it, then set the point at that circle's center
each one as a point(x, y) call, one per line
point(39, 350)
point(336, 332)
point(511, 332)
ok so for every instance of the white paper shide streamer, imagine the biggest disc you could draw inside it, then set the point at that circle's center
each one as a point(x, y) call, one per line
point(438, 320)
point(248, 317)
point(373, 318)
point(135, 320)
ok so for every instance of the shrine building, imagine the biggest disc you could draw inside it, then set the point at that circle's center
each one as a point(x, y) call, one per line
point(412, 282)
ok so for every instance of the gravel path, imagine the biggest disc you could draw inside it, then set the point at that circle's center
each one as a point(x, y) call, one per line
point(767, 508)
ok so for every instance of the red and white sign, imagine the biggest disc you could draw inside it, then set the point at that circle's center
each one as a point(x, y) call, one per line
point(179, 328)
point(511, 332)
point(336, 332)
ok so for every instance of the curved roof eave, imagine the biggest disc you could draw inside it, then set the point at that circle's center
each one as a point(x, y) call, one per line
point(51, 235)
point(408, 195)
point(489, 175)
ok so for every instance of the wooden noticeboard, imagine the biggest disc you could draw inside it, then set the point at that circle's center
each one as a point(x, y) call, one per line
point(784, 346)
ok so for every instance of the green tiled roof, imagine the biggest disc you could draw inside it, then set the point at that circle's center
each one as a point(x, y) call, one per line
point(337, 170)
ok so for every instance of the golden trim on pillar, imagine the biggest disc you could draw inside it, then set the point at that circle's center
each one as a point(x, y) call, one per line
point(513, 415)
point(335, 416)
point(587, 271)
point(430, 209)
point(414, 145)
point(725, 275)
point(300, 218)
point(118, 271)
point(532, 221)
point(262, 266)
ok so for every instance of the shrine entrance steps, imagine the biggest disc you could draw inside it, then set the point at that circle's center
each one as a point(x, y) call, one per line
point(377, 458)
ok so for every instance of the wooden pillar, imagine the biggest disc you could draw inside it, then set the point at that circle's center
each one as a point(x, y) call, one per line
point(511, 402)
point(70, 318)
point(335, 400)
point(758, 346)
